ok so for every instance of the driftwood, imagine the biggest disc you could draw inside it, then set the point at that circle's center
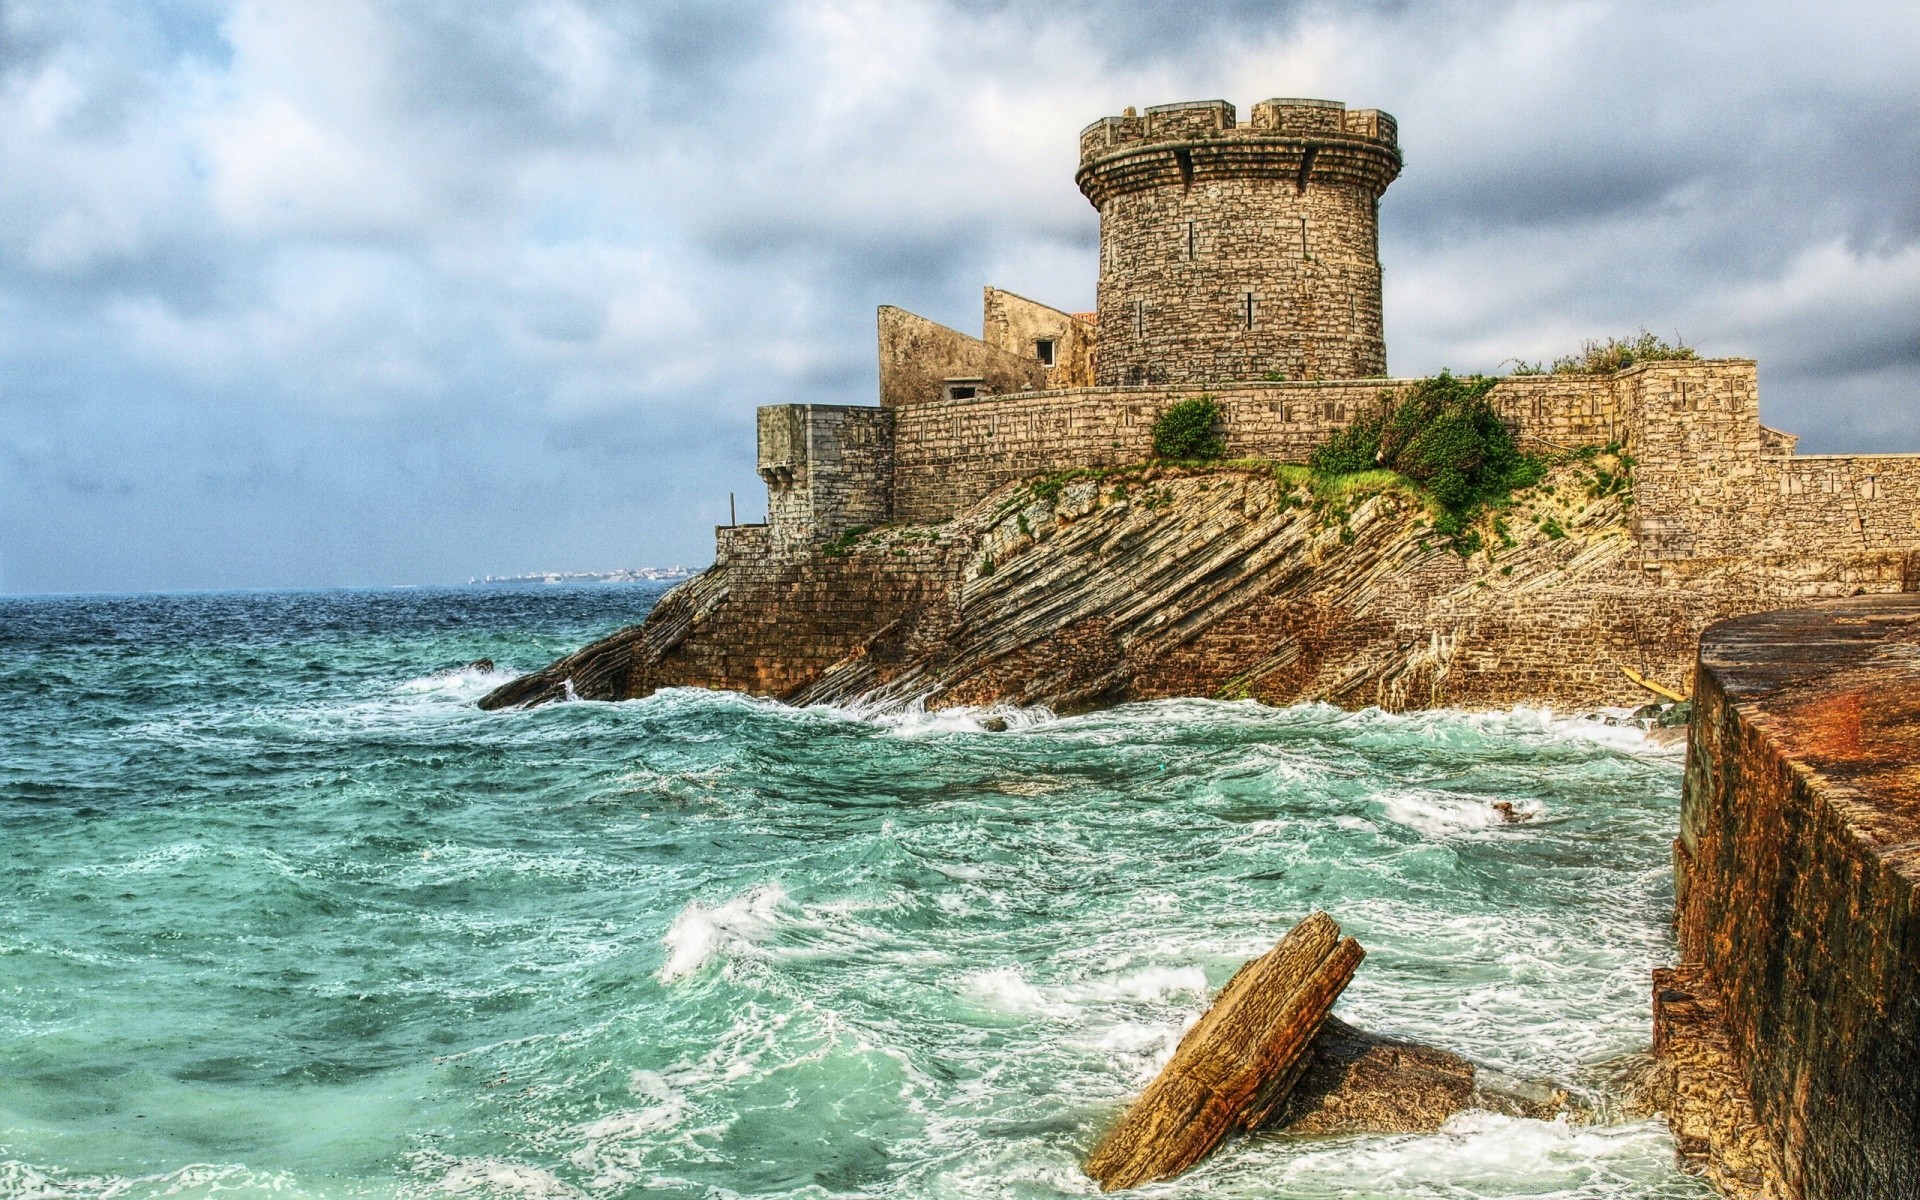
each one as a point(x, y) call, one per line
point(1267, 1054)
point(1235, 1069)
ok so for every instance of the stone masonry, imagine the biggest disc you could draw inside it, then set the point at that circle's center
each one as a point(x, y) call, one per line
point(1239, 251)
point(1797, 873)
point(886, 562)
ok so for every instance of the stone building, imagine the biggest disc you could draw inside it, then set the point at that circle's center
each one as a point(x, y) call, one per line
point(904, 556)
point(1242, 261)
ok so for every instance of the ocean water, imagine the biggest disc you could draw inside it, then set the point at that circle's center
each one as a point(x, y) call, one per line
point(282, 913)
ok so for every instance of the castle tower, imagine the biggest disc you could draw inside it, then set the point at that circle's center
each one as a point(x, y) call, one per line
point(1232, 252)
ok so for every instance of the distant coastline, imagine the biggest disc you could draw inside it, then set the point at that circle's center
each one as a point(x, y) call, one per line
point(623, 575)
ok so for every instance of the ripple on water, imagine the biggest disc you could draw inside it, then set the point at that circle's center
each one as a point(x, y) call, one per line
point(287, 914)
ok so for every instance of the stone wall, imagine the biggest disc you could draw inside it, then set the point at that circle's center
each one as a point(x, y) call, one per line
point(1232, 252)
point(949, 454)
point(1796, 872)
point(1016, 325)
point(828, 467)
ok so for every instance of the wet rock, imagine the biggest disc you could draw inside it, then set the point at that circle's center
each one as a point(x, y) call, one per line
point(480, 664)
point(1359, 1082)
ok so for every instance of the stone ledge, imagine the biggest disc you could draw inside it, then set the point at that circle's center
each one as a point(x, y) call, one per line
point(1798, 914)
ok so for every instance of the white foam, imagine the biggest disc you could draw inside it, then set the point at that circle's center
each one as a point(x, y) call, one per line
point(1008, 989)
point(913, 718)
point(465, 683)
point(503, 1177)
point(1444, 815)
point(1472, 1154)
point(699, 933)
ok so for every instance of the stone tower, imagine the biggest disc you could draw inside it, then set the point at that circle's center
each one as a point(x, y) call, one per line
point(1231, 252)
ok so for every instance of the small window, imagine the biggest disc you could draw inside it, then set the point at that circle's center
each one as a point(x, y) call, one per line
point(1252, 307)
point(961, 391)
point(1139, 318)
point(1043, 350)
point(1192, 237)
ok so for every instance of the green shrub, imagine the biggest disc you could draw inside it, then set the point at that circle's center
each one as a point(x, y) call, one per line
point(1606, 357)
point(1445, 436)
point(1187, 431)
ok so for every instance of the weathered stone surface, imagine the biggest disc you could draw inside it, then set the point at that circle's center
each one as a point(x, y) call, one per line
point(1168, 582)
point(1228, 251)
point(1796, 871)
point(1697, 1084)
point(1359, 1082)
point(1234, 1069)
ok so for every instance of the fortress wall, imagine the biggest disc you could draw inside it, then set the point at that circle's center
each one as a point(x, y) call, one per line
point(1693, 428)
point(949, 454)
point(1234, 251)
point(918, 356)
point(1188, 259)
point(1841, 501)
point(1014, 323)
point(1797, 873)
point(828, 467)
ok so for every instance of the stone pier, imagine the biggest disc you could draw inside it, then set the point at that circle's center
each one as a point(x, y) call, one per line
point(1792, 1025)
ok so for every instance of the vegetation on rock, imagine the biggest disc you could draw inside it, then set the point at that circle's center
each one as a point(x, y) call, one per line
point(840, 545)
point(1444, 435)
point(1614, 354)
point(1188, 431)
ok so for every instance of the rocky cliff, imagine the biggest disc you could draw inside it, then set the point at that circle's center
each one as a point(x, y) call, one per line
point(1090, 588)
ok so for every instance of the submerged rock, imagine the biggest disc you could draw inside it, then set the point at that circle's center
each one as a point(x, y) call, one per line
point(1268, 1055)
point(1236, 1067)
point(1359, 1082)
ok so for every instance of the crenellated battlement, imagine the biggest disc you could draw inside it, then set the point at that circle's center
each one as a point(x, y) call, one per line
point(1216, 120)
point(1231, 251)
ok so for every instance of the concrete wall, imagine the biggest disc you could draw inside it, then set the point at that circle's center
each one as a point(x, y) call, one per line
point(1796, 871)
point(828, 467)
point(1231, 252)
point(918, 356)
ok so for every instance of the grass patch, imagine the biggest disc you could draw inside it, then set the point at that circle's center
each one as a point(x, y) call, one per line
point(839, 546)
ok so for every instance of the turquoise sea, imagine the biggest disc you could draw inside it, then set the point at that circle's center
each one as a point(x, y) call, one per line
point(282, 913)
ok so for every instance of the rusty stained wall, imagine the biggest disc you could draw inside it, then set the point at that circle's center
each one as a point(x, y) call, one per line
point(1796, 872)
point(918, 356)
point(1016, 324)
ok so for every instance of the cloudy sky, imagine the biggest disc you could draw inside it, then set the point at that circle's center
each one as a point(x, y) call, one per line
point(315, 292)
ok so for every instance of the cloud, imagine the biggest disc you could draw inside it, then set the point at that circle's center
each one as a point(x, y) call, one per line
point(334, 291)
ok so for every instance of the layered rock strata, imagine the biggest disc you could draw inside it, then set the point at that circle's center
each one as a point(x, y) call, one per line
point(1798, 997)
point(1098, 587)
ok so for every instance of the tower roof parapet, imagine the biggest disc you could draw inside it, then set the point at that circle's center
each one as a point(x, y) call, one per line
point(1289, 137)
